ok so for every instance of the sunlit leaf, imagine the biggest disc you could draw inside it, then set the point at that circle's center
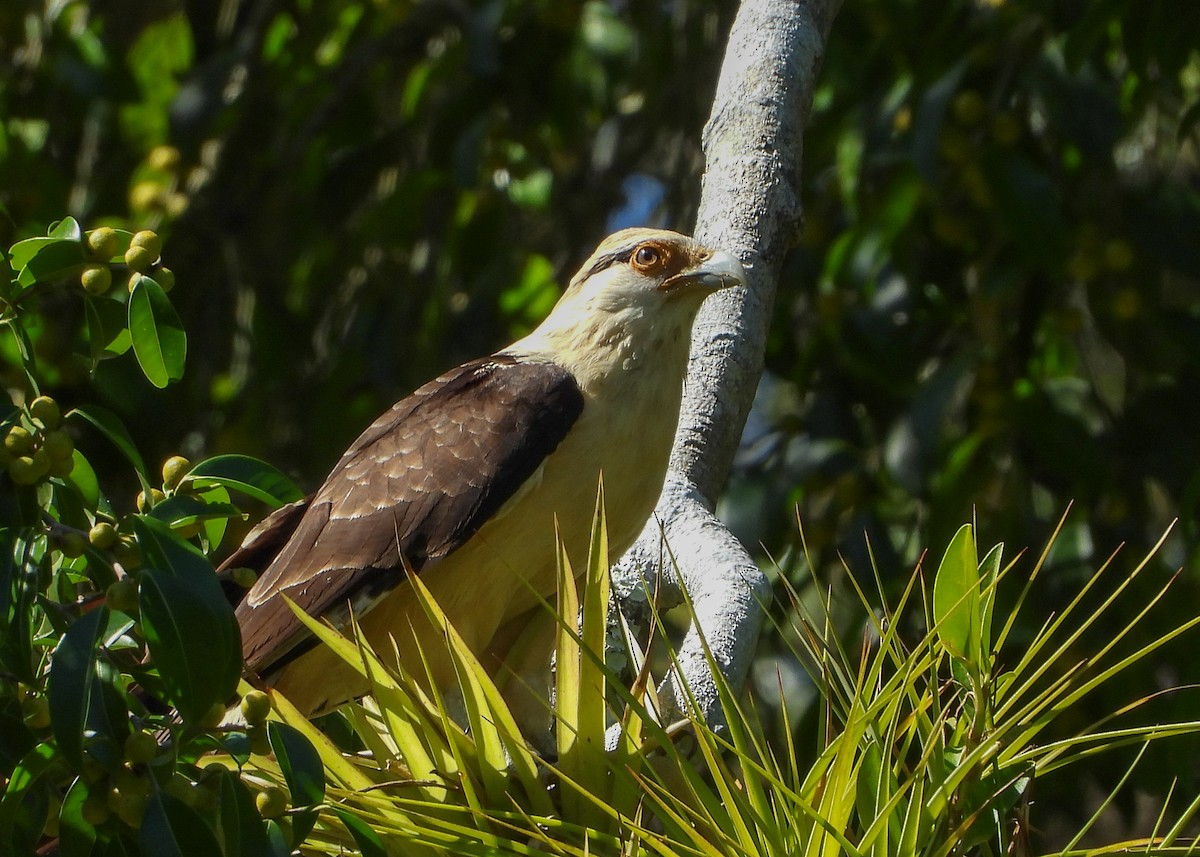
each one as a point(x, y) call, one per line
point(956, 595)
point(248, 475)
point(158, 337)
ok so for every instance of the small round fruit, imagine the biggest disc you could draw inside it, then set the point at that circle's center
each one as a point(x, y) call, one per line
point(139, 259)
point(58, 444)
point(256, 705)
point(244, 577)
point(149, 241)
point(145, 504)
point(95, 809)
point(969, 107)
point(128, 554)
point(140, 747)
point(46, 411)
point(96, 279)
point(19, 441)
point(61, 467)
point(102, 243)
point(122, 595)
point(73, 544)
point(35, 711)
point(164, 158)
point(103, 535)
point(146, 195)
point(165, 277)
point(23, 470)
point(173, 471)
point(271, 802)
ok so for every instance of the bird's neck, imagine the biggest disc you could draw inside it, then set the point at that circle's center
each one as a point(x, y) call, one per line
point(610, 352)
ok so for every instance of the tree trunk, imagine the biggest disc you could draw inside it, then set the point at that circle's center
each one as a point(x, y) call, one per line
point(749, 206)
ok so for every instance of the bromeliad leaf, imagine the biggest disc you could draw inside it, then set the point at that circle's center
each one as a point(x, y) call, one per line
point(248, 475)
point(158, 337)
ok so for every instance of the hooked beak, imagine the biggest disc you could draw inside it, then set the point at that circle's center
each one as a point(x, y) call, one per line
point(719, 271)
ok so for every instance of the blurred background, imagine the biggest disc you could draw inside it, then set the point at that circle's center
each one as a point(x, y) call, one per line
point(994, 310)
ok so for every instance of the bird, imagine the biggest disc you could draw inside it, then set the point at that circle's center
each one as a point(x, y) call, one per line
point(471, 480)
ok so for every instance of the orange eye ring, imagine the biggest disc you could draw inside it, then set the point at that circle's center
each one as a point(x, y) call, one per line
point(647, 257)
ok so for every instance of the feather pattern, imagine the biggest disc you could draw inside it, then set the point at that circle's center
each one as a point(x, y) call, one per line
point(417, 484)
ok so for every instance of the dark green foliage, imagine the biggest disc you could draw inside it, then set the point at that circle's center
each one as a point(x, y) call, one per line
point(995, 307)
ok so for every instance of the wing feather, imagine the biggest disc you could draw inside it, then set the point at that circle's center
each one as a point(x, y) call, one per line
point(417, 484)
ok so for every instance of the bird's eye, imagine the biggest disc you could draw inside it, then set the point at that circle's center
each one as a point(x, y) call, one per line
point(647, 256)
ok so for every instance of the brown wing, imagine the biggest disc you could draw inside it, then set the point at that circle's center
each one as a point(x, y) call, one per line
point(418, 483)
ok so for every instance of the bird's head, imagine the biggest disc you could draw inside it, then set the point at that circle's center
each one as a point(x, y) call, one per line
point(639, 291)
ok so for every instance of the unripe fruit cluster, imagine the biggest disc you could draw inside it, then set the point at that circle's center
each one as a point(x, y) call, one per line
point(142, 257)
point(38, 449)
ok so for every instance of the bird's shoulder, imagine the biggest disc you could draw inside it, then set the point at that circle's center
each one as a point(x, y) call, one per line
point(415, 485)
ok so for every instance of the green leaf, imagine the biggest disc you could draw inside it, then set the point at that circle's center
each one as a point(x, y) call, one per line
point(72, 683)
point(956, 596)
point(83, 477)
point(111, 427)
point(183, 509)
point(18, 593)
point(248, 475)
point(76, 836)
point(171, 828)
point(24, 777)
point(158, 337)
point(108, 329)
point(67, 228)
point(189, 626)
point(45, 260)
point(242, 827)
point(299, 762)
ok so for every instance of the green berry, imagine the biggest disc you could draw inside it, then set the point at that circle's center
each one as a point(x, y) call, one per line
point(260, 744)
point(244, 577)
point(23, 470)
point(46, 411)
point(103, 535)
point(271, 802)
point(122, 595)
point(163, 158)
point(139, 259)
point(969, 107)
point(256, 705)
point(173, 471)
point(96, 279)
point(19, 441)
point(35, 711)
point(140, 747)
point(128, 554)
point(61, 467)
point(145, 504)
point(58, 444)
point(149, 241)
point(95, 809)
point(73, 544)
point(102, 243)
point(165, 277)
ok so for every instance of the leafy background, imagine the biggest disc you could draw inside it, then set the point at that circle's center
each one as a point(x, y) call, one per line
point(994, 310)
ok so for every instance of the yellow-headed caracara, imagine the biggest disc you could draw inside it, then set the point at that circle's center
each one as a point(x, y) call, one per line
point(463, 479)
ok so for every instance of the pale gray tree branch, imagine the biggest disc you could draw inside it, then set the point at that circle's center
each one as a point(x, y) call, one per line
point(749, 206)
